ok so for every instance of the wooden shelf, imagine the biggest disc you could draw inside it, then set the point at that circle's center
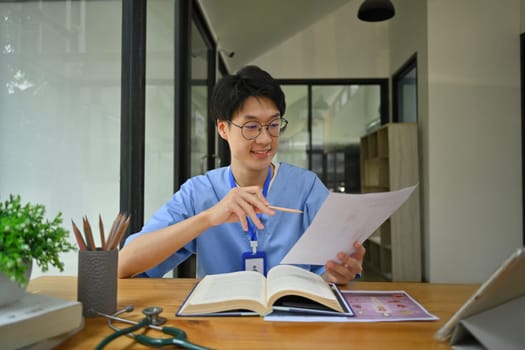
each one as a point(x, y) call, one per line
point(376, 172)
point(389, 161)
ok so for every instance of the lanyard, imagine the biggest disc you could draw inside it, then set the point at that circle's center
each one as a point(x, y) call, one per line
point(251, 226)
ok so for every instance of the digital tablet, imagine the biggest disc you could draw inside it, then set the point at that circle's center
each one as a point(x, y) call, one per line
point(505, 284)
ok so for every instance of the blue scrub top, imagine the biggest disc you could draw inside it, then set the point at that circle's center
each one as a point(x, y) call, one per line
point(219, 249)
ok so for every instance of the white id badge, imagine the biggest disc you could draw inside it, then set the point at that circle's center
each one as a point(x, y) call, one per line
point(254, 261)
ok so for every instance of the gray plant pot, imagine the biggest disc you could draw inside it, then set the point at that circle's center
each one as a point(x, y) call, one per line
point(10, 291)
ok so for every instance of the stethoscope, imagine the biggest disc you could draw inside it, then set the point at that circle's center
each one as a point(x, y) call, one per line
point(152, 320)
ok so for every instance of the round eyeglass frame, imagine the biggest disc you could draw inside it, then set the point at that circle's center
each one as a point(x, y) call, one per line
point(282, 127)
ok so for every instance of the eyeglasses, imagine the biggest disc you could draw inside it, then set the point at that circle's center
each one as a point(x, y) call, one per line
point(250, 130)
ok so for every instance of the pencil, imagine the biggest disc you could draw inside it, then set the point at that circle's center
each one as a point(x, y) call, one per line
point(89, 234)
point(117, 231)
point(122, 229)
point(101, 231)
point(112, 232)
point(288, 210)
point(78, 236)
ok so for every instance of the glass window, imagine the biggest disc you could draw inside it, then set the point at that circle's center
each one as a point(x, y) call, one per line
point(199, 103)
point(405, 93)
point(60, 108)
point(158, 170)
point(340, 114)
point(294, 141)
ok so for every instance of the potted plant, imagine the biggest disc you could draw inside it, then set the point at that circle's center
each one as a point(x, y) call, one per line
point(26, 236)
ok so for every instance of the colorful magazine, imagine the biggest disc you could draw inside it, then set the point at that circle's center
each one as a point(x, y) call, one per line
point(368, 306)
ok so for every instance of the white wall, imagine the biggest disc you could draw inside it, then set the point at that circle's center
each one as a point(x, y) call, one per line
point(337, 46)
point(469, 115)
point(474, 195)
point(522, 16)
point(469, 118)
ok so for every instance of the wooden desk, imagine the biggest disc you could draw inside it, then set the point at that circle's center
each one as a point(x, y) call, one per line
point(253, 332)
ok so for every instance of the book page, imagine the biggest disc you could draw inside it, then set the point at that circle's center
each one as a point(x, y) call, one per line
point(241, 285)
point(285, 279)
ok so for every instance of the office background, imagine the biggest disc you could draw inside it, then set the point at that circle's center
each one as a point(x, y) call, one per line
point(60, 109)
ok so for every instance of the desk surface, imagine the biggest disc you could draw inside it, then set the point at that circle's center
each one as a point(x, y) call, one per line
point(253, 333)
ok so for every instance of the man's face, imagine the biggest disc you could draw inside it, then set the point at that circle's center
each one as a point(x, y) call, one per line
point(256, 154)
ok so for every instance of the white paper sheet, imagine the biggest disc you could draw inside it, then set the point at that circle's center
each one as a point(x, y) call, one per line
point(343, 219)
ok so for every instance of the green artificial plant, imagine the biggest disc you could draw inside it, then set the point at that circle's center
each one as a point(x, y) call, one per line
point(26, 236)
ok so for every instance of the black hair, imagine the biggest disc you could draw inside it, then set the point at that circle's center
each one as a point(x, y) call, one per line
point(230, 93)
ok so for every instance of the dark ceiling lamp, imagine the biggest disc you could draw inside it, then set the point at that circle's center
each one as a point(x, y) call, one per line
point(376, 10)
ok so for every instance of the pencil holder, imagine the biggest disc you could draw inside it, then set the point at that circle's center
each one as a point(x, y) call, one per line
point(97, 281)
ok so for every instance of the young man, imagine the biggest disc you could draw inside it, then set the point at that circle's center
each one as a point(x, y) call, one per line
point(224, 213)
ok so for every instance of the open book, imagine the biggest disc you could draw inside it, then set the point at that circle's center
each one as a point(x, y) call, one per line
point(287, 287)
